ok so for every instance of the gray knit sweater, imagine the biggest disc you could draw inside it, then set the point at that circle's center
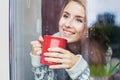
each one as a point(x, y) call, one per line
point(80, 71)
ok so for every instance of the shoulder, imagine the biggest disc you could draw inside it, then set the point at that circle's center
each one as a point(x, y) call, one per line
point(57, 34)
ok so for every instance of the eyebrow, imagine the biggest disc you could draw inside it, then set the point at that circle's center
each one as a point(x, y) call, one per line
point(75, 16)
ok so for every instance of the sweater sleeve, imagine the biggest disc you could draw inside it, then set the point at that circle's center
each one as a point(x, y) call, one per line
point(80, 71)
point(40, 71)
point(35, 60)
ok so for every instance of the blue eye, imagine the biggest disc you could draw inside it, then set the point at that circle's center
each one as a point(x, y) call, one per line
point(80, 20)
point(65, 16)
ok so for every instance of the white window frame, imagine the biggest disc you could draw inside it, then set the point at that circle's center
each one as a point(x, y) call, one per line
point(4, 40)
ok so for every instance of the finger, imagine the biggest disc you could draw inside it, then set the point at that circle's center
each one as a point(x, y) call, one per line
point(34, 42)
point(64, 53)
point(58, 60)
point(36, 51)
point(40, 39)
point(57, 49)
point(59, 66)
point(37, 45)
point(54, 54)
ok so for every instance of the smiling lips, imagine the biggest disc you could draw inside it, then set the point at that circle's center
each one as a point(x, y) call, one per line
point(68, 33)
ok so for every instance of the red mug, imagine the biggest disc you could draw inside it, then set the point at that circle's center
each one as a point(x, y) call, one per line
point(49, 42)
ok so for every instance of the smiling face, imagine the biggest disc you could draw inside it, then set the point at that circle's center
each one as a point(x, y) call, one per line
point(72, 22)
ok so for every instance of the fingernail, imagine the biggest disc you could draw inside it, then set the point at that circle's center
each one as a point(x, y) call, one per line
point(38, 53)
point(51, 67)
point(45, 58)
point(48, 49)
point(45, 54)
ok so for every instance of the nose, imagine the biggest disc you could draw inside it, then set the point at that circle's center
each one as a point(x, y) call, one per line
point(68, 23)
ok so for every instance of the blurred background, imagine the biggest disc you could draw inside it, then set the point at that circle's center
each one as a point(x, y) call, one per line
point(106, 14)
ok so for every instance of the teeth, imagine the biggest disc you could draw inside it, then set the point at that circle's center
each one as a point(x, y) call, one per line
point(67, 32)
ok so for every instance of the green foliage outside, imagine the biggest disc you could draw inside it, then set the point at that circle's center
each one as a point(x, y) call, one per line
point(100, 71)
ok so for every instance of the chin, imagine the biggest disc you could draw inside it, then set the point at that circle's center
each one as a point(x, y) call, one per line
point(71, 41)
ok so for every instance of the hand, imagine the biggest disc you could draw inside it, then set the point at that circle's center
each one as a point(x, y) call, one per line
point(37, 46)
point(66, 59)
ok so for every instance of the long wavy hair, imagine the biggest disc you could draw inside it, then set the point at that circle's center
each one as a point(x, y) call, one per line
point(98, 46)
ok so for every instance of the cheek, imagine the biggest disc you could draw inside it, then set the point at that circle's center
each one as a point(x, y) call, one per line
point(61, 23)
point(60, 26)
point(80, 29)
point(80, 32)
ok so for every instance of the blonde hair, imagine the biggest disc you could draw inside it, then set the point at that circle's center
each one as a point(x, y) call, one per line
point(81, 2)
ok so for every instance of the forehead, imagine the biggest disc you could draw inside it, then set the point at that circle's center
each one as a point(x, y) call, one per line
point(75, 8)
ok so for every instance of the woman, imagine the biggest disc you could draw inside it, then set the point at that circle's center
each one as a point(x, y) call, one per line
point(73, 28)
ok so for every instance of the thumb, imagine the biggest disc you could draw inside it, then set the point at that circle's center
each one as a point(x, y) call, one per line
point(40, 39)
